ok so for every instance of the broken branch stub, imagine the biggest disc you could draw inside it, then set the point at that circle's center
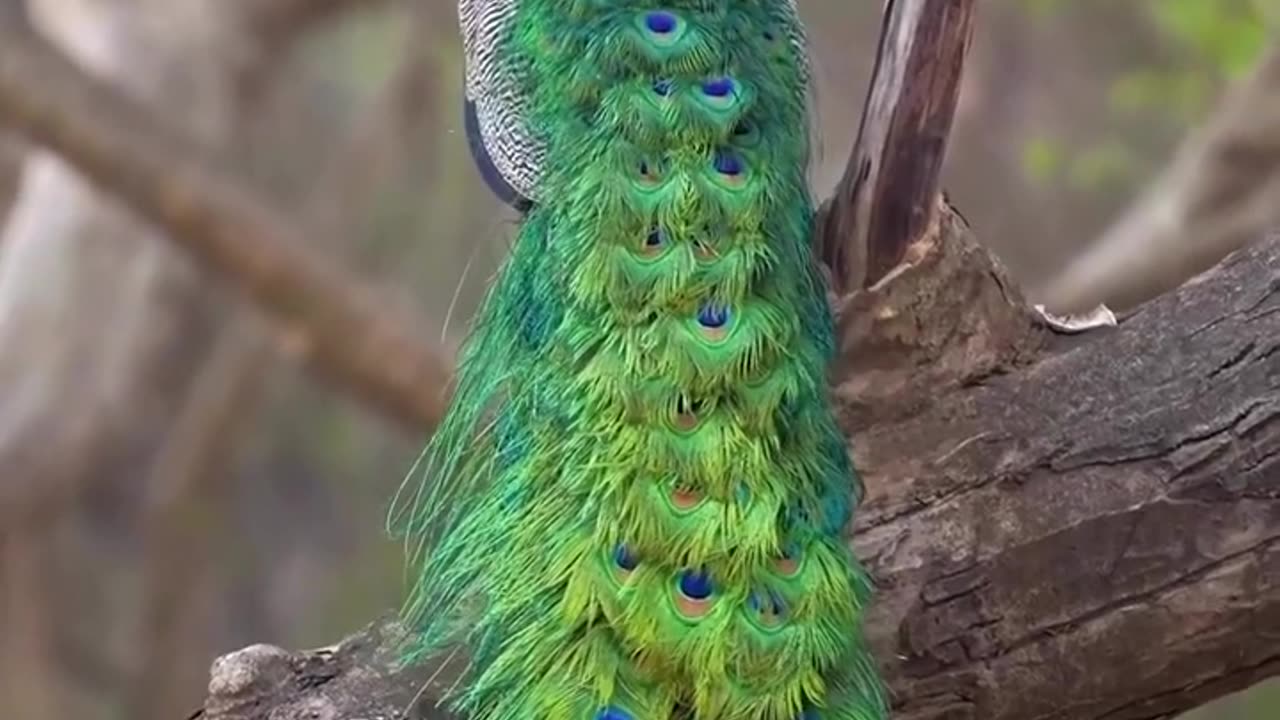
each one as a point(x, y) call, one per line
point(886, 198)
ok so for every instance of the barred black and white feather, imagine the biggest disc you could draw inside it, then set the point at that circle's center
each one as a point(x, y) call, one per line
point(507, 152)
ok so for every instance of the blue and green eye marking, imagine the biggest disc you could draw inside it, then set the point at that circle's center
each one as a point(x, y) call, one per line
point(664, 32)
point(768, 608)
point(655, 242)
point(730, 168)
point(694, 593)
point(720, 93)
point(714, 320)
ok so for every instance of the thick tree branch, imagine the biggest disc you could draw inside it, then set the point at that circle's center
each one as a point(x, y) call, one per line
point(1221, 191)
point(1093, 536)
point(328, 319)
point(885, 200)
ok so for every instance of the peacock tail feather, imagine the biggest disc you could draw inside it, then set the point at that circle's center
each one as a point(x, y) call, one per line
point(634, 508)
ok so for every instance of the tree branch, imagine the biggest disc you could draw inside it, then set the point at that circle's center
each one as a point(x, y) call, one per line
point(1221, 192)
point(1093, 536)
point(329, 320)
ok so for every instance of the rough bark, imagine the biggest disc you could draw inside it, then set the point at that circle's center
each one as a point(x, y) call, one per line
point(1095, 535)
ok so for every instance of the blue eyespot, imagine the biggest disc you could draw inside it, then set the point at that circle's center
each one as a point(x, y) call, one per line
point(696, 584)
point(718, 88)
point(624, 558)
point(660, 22)
point(728, 164)
point(767, 602)
point(713, 315)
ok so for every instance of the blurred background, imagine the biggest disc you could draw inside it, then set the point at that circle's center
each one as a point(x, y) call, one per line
point(172, 489)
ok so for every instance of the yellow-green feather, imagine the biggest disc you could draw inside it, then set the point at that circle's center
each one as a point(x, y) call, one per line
point(595, 410)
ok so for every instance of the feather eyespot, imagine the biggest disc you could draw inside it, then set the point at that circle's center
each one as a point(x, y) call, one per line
point(686, 418)
point(788, 562)
point(624, 563)
point(730, 168)
point(746, 134)
point(696, 584)
point(720, 93)
point(660, 22)
point(769, 607)
point(655, 242)
point(624, 558)
point(650, 173)
point(728, 164)
point(718, 87)
point(693, 593)
point(611, 712)
point(713, 319)
point(713, 316)
point(685, 499)
point(662, 29)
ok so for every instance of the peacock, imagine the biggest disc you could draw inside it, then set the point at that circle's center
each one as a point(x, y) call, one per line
point(634, 506)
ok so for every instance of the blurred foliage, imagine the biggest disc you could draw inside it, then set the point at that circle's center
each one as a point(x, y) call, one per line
point(1207, 45)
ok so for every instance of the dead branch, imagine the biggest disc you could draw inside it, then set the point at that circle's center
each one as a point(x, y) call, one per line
point(1221, 192)
point(885, 200)
point(327, 319)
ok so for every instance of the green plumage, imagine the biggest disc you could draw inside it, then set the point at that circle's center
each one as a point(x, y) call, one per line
point(636, 499)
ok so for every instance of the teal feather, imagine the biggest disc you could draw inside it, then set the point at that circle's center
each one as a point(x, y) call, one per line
point(634, 508)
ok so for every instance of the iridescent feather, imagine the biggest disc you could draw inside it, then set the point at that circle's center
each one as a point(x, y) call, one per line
point(634, 508)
